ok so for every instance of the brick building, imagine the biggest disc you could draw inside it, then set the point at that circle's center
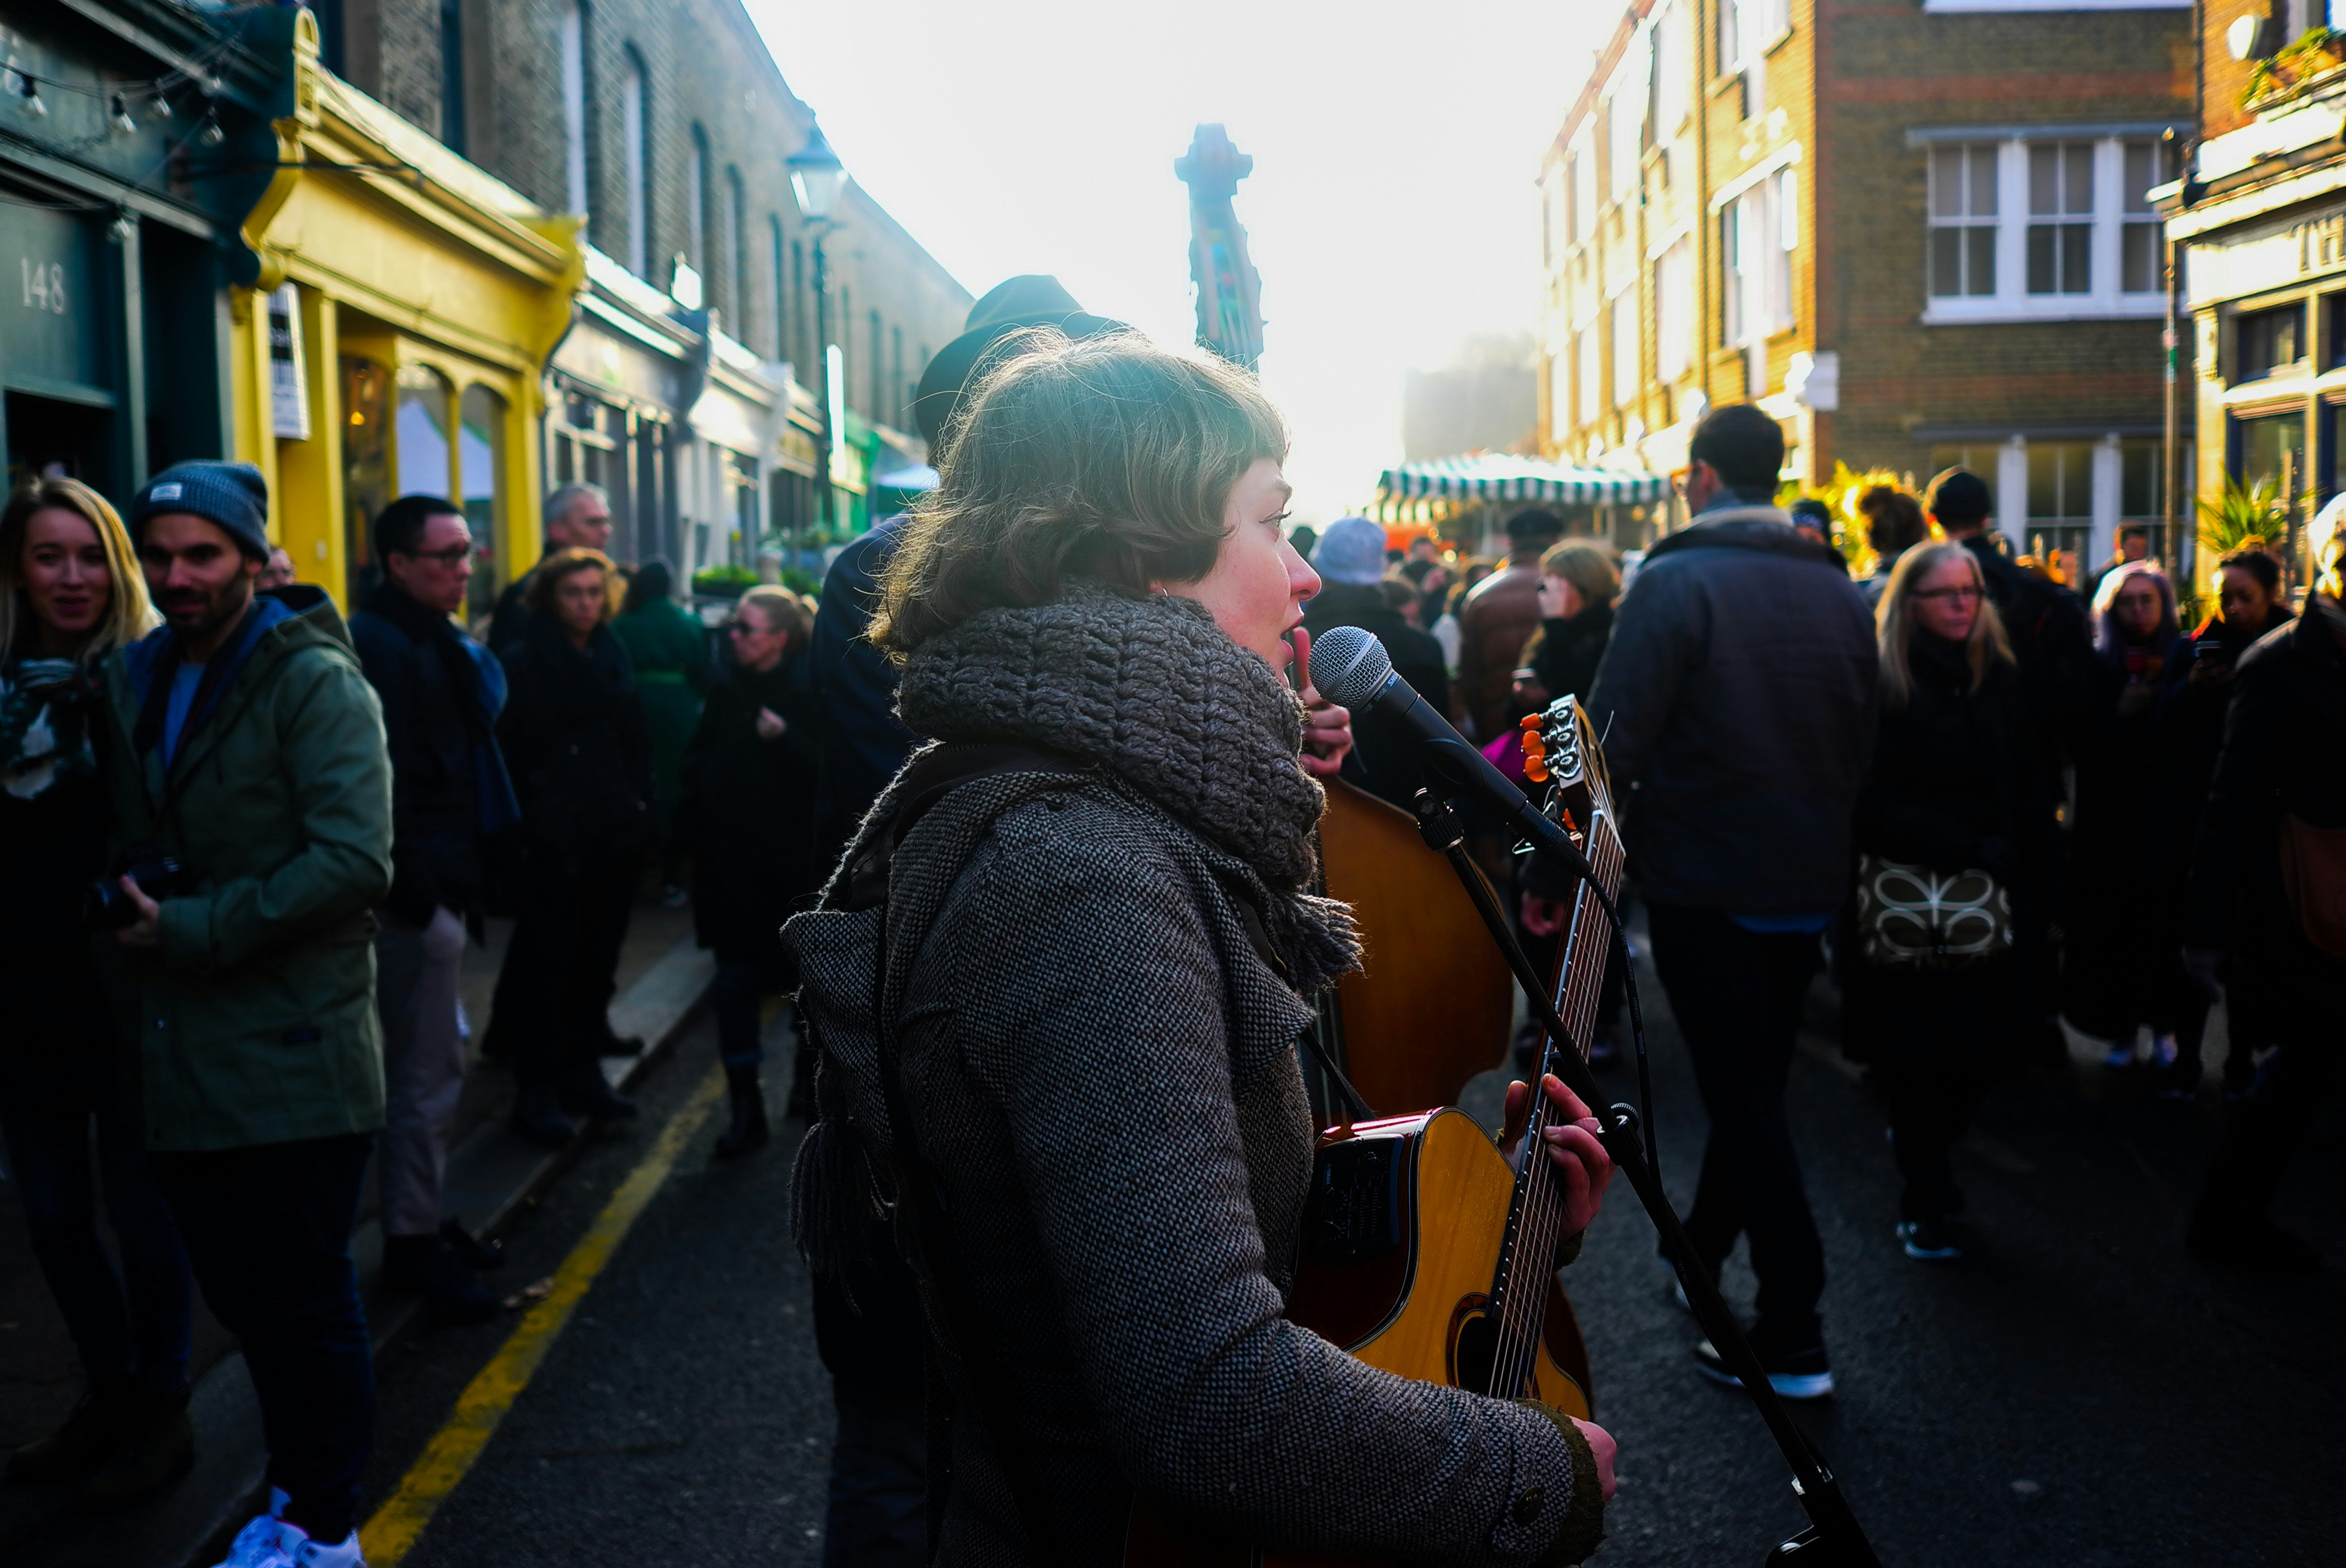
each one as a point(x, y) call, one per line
point(667, 123)
point(1917, 234)
point(2260, 221)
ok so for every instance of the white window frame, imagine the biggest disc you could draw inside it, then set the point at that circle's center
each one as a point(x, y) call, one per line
point(1763, 231)
point(1674, 69)
point(1625, 124)
point(1583, 169)
point(1628, 357)
point(1589, 396)
point(574, 107)
point(2012, 302)
point(1674, 312)
point(634, 134)
point(1559, 395)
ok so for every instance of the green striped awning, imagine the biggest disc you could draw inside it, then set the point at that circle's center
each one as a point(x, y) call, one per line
point(1498, 478)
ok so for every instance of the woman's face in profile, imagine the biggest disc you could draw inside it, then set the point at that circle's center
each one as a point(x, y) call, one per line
point(1256, 590)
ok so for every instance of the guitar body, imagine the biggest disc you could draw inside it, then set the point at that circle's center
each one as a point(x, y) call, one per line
point(1401, 1243)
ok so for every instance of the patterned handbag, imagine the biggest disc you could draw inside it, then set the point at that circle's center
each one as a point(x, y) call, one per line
point(1911, 917)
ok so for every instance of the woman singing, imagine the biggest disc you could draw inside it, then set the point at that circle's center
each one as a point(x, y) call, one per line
point(1087, 916)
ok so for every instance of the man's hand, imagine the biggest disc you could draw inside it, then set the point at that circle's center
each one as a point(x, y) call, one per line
point(771, 724)
point(1601, 1444)
point(1580, 1160)
point(148, 929)
point(1327, 729)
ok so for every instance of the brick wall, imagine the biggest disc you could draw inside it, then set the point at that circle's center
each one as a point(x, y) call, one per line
point(705, 66)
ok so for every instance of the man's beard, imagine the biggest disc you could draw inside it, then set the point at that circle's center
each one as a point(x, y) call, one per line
point(192, 622)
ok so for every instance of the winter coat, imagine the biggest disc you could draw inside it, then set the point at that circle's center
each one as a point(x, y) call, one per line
point(574, 737)
point(449, 793)
point(2284, 751)
point(1065, 946)
point(1385, 766)
point(2121, 967)
point(1738, 698)
point(864, 742)
point(1565, 651)
point(57, 1050)
point(669, 651)
point(1954, 785)
point(749, 810)
point(255, 1011)
point(2053, 640)
point(1497, 618)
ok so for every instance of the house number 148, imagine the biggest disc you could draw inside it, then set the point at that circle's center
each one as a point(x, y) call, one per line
point(45, 286)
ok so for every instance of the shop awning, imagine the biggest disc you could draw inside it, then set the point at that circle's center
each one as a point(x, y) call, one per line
point(1486, 476)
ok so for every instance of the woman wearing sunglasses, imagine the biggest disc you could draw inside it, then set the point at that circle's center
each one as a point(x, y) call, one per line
point(1946, 845)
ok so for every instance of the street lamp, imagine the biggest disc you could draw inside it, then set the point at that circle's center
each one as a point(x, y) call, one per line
point(817, 179)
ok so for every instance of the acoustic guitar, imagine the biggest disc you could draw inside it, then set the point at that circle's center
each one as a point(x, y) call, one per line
point(1424, 1251)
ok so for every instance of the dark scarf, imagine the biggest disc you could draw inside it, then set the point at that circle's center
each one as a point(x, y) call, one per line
point(584, 684)
point(419, 624)
point(1150, 691)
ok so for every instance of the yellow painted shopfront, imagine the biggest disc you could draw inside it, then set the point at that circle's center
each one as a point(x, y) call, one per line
point(395, 339)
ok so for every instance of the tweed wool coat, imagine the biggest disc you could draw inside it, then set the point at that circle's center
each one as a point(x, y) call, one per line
point(1103, 1075)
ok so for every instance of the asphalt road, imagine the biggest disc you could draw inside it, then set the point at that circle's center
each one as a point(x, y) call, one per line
point(2077, 1392)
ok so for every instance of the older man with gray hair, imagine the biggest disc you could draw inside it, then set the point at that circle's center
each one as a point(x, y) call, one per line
point(577, 518)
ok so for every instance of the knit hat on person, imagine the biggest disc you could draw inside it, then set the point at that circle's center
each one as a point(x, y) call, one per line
point(233, 495)
point(1957, 497)
point(1813, 510)
point(1352, 550)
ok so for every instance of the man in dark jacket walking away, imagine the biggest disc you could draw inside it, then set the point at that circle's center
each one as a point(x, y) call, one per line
point(2268, 891)
point(1497, 618)
point(1738, 703)
point(449, 795)
point(577, 518)
point(1351, 560)
point(247, 745)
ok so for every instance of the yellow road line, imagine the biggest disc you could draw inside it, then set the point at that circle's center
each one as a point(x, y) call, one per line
point(394, 1531)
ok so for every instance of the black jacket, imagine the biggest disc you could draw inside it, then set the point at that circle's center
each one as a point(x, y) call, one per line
point(573, 733)
point(749, 810)
point(2284, 751)
point(434, 722)
point(1955, 784)
point(864, 742)
point(1385, 766)
point(1736, 697)
point(1564, 652)
point(2052, 638)
point(509, 622)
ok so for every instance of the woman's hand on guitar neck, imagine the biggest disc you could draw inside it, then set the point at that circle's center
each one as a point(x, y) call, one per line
point(1327, 729)
point(1581, 1163)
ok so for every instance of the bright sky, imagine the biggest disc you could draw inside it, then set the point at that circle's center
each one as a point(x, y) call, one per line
point(1391, 213)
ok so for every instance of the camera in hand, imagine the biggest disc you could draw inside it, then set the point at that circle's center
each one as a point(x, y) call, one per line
point(105, 906)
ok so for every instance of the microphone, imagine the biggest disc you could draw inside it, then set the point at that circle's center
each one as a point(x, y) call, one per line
point(1352, 670)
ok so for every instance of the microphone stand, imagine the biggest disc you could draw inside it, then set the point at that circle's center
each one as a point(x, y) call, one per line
point(1833, 1538)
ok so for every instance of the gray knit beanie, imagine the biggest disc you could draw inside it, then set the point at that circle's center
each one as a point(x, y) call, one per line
point(233, 495)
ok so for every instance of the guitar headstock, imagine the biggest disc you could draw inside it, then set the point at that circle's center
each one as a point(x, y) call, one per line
point(1561, 751)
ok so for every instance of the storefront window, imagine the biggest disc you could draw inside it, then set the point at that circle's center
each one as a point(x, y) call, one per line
point(2142, 492)
point(2060, 498)
point(480, 454)
point(2272, 446)
point(366, 467)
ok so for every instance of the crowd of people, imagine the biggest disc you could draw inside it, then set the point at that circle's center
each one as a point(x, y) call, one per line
point(246, 846)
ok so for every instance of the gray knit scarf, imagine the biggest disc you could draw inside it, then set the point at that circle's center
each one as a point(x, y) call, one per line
point(1152, 691)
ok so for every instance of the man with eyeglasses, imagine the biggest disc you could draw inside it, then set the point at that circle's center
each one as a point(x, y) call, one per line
point(440, 695)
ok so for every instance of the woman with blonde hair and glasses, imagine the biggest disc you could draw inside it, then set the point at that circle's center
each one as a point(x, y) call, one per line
point(71, 593)
point(1947, 846)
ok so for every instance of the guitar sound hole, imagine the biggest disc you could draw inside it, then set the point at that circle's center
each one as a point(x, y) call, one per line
point(1477, 1343)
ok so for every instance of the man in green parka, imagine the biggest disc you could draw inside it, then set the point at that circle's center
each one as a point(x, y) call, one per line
point(246, 745)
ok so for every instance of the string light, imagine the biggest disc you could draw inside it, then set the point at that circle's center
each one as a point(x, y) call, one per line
point(159, 106)
point(28, 92)
point(122, 120)
point(211, 134)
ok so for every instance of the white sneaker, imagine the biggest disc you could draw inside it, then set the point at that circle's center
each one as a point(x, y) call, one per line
point(256, 1545)
point(303, 1553)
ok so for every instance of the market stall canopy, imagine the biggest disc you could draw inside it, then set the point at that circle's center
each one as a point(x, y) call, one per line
point(1495, 476)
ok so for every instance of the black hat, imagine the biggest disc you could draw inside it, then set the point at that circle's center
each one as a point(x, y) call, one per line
point(232, 495)
point(1957, 497)
point(1814, 510)
point(1030, 300)
point(1535, 523)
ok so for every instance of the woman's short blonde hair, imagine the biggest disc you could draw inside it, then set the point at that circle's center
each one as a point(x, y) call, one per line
point(785, 612)
point(545, 581)
point(1894, 618)
point(1587, 568)
point(1105, 457)
point(130, 615)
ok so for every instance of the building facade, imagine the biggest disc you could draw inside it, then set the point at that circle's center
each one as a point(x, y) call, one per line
point(114, 355)
point(665, 126)
point(1917, 235)
point(2260, 219)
